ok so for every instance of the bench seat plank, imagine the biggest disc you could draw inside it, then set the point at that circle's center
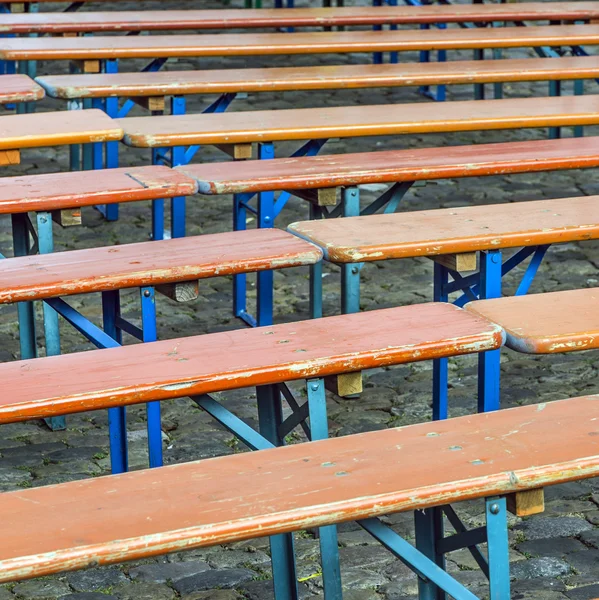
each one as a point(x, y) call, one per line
point(453, 230)
point(150, 263)
point(164, 83)
point(390, 166)
point(547, 323)
point(349, 121)
point(56, 191)
point(241, 358)
point(19, 88)
point(314, 42)
point(57, 128)
point(301, 486)
point(154, 20)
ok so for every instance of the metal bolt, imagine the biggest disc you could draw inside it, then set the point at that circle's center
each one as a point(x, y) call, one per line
point(314, 387)
point(147, 293)
point(354, 270)
point(494, 509)
point(267, 219)
point(495, 257)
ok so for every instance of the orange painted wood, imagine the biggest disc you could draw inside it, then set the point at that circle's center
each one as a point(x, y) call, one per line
point(57, 128)
point(351, 121)
point(151, 263)
point(79, 22)
point(453, 230)
point(19, 88)
point(546, 323)
point(316, 42)
point(164, 83)
point(389, 166)
point(241, 358)
point(255, 494)
point(56, 191)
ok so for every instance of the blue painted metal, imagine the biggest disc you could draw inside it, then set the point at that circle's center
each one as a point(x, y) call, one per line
point(239, 281)
point(350, 273)
point(177, 159)
point(497, 539)
point(377, 57)
point(148, 320)
point(266, 218)
point(429, 530)
point(389, 200)
point(440, 370)
point(25, 310)
point(111, 211)
point(316, 274)
point(329, 553)
point(531, 270)
point(488, 362)
point(51, 327)
point(457, 524)
point(430, 573)
point(117, 417)
point(270, 416)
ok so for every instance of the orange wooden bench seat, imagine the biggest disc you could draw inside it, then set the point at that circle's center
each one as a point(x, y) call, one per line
point(153, 263)
point(242, 496)
point(391, 166)
point(80, 22)
point(222, 81)
point(548, 323)
point(19, 88)
point(253, 44)
point(352, 121)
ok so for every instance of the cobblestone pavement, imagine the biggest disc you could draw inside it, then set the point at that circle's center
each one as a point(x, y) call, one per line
point(554, 556)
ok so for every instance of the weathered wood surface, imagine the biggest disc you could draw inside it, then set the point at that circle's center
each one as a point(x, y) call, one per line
point(549, 323)
point(255, 494)
point(351, 121)
point(80, 22)
point(453, 230)
point(57, 191)
point(165, 83)
point(241, 358)
point(19, 88)
point(314, 42)
point(57, 129)
point(151, 263)
point(388, 166)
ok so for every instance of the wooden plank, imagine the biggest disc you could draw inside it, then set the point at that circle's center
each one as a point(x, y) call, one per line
point(67, 217)
point(276, 79)
point(10, 157)
point(525, 504)
point(237, 151)
point(346, 384)
point(548, 323)
point(252, 494)
point(352, 121)
point(58, 191)
point(151, 263)
point(173, 20)
point(19, 88)
point(465, 261)
point(390, 166)
point(240, 358)
point(320, 197)
point(313, 42)
point(453, 230)
point(57, 128)
point(184, 291)
point(151, 103)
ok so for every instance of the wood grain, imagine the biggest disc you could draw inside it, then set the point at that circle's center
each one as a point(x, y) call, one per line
point(19, 88)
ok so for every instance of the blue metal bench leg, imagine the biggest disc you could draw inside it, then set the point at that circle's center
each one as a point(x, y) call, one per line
point(148, 319)
point(555, 89)
point(266, 217)
point(498, 548)
point(281, 546)
point(239, 281)
point(488, 362)
point(429, 529)
point(20, 236)
point(350, 273)
point(440, 374)
point(177, 159)
point(329, 553)
point(579, 91)
point(111, 211)
point(117, 417)
point(51, 327)
point(315, 276)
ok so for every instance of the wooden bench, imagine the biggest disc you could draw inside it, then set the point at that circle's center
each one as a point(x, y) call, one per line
point(19, 88)
point(152, 20)
point(335, 347)
point(172, 267)
point(506, 457)
point(453, 238)
point(547, 323)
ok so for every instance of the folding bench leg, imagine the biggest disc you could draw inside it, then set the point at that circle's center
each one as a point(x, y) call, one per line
point(178, 214)
point(440, 373)
point(315, 275)
point(429, 530)
point(498, 548)
point(270, 416)
point(117, 417)
point(350, 273)
point(319, 429)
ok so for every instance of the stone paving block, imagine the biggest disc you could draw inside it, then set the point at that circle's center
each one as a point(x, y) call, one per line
point(96, 580)
point(217, 578)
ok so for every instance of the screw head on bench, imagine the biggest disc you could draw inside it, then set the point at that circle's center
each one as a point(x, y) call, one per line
point(147, 293)
point(494, 508)
point(314, 387)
